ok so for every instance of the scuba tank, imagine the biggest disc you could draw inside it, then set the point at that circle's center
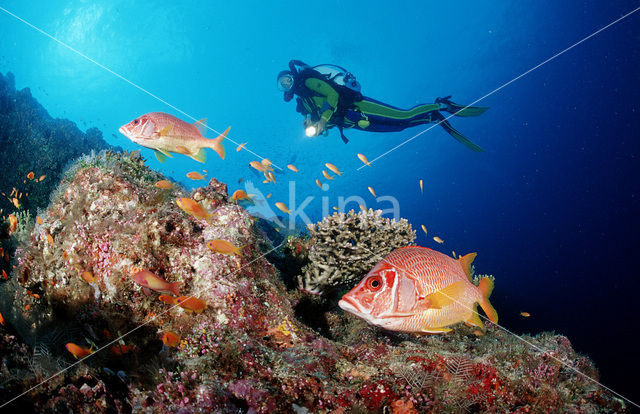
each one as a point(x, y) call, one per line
point(339, 75)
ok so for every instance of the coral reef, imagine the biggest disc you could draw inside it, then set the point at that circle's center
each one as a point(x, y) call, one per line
point(247, 351)
point(343, 247)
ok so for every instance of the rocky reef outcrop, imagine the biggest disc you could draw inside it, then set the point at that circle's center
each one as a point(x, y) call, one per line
point(248, 350)
point(33, 141)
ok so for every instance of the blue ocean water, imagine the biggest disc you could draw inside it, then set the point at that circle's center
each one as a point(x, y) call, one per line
point(551, 206)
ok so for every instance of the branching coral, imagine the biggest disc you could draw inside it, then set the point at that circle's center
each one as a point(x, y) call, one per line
point(345, 246)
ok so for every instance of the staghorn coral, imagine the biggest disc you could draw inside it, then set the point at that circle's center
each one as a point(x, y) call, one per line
point(345, 246)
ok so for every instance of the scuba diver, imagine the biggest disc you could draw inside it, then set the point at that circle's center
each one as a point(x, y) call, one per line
point(329, 96)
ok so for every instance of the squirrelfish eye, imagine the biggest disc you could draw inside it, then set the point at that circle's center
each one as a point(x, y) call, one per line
point(374, 283)
point(136, 122)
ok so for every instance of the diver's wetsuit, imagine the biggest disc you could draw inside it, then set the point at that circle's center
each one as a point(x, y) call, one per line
point(321, 98)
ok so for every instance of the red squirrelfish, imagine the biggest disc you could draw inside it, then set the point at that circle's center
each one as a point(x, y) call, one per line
point(419, 290)
point(148, 280)
point(165, 134)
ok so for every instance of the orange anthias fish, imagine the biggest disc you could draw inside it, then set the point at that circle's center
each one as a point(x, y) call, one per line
point(148, 280)
point(292, 167)
point(364, 159)
point(224, 247)
point(13, 224)
point(193, 208)
point(191, 304)
point(195, 175)
point(333, 168)
point(241, 146)
point(419, 290)
point(283, 207)
point(167, 299)
point(165, 134)
point(171, 339)
point(240, 195)
point(1, 320)
point(78, 351)
point(164, 184)
point(30, 175)
point(327, 175)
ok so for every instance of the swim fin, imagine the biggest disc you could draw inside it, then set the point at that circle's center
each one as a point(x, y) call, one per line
point(439, 118)
point(461, 110)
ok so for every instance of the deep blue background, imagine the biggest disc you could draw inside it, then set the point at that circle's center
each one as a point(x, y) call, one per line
point(551, 207)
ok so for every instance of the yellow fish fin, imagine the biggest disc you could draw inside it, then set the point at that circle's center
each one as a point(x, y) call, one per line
point(201, 125)
point(445, 296)
point(165, 131)
point(216, 143)
point(200, 156)
point(486, 287)
point(465, 262)
point(435, 330)
point(161, 155)
point(475, 320)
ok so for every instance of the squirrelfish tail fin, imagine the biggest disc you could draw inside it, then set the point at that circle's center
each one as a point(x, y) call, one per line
point(486, 287)
point(455, 134)
point(216, 143)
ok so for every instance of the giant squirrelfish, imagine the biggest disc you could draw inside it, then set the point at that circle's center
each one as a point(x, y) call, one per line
point(415, 289)
point(165, 134)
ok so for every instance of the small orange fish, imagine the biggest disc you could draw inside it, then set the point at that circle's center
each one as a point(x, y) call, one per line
point(269, 195)
point(333, 168)
point(270, 177)
point(13, 223)
point(424, 228)
point(171, 339)
point(266, 163)
point(4, 275)
point(438, 239)
point(27, 307)
point(50, 239)
point(327, 175)
point(421, 188)
point(257, 166)
point(42, 177)
point(78, 351)
point(372, 191)
point(1, 319)
point(292, 167)
point(192, 208)
point(318, 183)
point(224, 247)
point(191, 303)
point(453, 253)
point(241, 146)
point(364, 159)
point(30, 175)
point(88, 277)
point(164, 184)
point(283, 207)
point(148, 280)
point(194, 175)
point(38, 220)
point(525, 314)
point(121, 349)
point(167, 299)
point(362, 207)
point(240, 195)
point(65, 255)
point(15, 202)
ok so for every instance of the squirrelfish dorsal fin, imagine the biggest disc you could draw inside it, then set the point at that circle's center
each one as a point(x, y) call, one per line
point(201, 125)
point(446, 295)
point(465, 262)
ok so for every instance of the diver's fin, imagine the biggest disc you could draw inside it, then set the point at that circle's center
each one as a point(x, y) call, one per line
point(216, 143)
point(200, 156)
point(461, 110)
point(486, 287)
point(455, 134)
point(162, 155)
point(446, 295)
